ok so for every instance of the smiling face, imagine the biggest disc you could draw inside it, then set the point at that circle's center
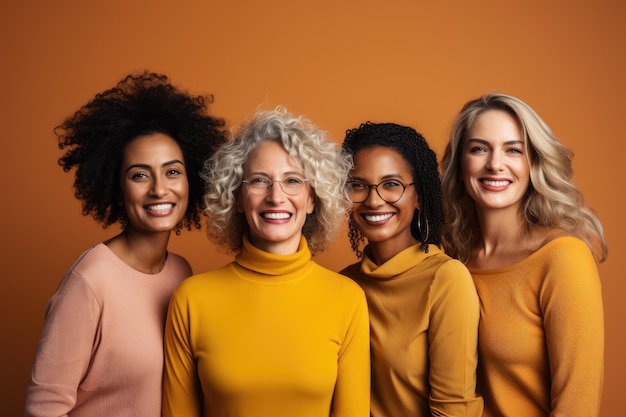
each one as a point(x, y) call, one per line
point(275, 218)
point(385, 225)
point(154, 187)
point(494, 165)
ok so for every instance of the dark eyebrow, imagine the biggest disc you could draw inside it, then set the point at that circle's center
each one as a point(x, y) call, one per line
point(384, 178)
point(164, 164)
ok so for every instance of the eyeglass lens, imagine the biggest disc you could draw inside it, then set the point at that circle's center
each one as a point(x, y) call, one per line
point(389, 190)
point(290, 185)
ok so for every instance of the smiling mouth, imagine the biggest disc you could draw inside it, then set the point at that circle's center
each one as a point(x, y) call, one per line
point(276, 216)
point(160, 207)
point(374, 218)
point(501, 183)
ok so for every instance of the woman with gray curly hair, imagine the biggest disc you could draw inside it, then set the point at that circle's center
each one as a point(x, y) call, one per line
point(272, 333)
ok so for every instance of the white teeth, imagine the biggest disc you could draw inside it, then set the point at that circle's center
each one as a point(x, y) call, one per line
point(495, 183)
point(378, 217)
point(160, 207)
point(276, 216)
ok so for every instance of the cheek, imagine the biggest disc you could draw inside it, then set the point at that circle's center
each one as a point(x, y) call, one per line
point(246, 203)
point(128, 195)
point(468, 167)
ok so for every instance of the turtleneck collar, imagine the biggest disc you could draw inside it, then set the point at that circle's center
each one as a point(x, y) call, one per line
point(268, 267)
point(399, 264)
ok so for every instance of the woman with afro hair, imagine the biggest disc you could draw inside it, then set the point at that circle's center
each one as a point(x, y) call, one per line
point(137, 151)
point(422, 304)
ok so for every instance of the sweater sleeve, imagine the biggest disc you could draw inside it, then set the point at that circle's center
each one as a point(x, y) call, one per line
point(453, 343)
point(352, 390)
point(68, 340)
point(571, 301)
point(181, 387)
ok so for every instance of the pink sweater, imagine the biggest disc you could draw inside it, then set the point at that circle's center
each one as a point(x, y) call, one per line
point(100, 352)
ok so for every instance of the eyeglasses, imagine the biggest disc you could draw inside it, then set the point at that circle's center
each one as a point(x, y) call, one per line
point(389, 191)
point(291, 184)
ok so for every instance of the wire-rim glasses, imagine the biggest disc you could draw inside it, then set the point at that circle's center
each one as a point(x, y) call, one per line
point(290, 184)
point(390, 191)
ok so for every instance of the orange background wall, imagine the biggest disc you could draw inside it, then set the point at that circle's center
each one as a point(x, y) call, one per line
point(338, 62)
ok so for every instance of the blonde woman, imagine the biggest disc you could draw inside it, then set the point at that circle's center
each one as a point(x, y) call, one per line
point(520, 224)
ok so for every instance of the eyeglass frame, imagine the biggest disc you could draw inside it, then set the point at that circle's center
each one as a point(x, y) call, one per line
point(375, 186)
point(271, 183)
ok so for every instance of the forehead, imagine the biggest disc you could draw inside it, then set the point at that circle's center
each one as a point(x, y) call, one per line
point(379, 162)
point(495, 124)
point(270, 156)
point(152, 147)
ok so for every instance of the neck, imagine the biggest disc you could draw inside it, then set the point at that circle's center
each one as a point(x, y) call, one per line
point(381, 252)
point(144, 252)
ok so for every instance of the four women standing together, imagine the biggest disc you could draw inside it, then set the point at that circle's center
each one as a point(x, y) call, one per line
point(481, 284)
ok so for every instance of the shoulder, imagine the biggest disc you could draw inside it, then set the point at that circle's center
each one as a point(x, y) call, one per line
point(445, 267)
point(178, 261)
point(566, 256)
point(336, 280)
point(206, 280)
point(564, 248)
point(451, 275)
point(96, 265)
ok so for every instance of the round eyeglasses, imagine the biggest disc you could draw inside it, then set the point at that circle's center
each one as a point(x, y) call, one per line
point(389, 191)
point(291, 184)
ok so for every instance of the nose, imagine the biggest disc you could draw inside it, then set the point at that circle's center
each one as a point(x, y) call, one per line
point(495, 162)
point(275, 194)
point(159, 187)
point(373, 199)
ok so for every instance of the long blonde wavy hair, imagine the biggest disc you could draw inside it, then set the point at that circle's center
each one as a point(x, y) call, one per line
point(552, 199)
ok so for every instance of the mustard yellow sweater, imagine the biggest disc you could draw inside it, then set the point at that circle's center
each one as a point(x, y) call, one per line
point(424, 322)
point(267, 335)
point(542, 334)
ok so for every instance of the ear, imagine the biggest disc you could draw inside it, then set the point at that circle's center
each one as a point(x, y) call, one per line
point(311, 203)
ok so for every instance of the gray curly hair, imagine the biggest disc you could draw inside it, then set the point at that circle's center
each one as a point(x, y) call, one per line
point(321, 160)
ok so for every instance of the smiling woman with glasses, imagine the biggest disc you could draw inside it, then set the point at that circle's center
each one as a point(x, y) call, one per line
point(273, 333)
point(422, 303)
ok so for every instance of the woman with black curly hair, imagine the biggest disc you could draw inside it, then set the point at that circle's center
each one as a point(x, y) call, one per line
point(422, 304)
point(137, 150)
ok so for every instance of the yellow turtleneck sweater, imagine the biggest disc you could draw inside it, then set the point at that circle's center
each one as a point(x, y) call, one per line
point(267, 335)
point(541, 338)
point(424, 322)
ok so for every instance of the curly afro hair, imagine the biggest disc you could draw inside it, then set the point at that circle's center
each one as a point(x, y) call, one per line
point(140, 104)
point(411, 145)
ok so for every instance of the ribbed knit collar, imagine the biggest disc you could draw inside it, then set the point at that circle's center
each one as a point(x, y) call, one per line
point(399, 264)
point(264, 265)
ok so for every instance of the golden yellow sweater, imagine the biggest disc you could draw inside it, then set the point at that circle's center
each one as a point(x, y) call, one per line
point(424, 322)
point(267, 335)
point(542, 334)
